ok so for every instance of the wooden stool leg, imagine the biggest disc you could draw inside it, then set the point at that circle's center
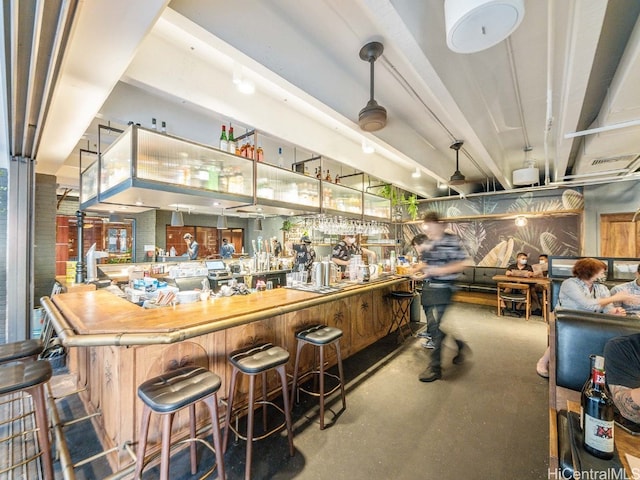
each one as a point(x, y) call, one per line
point(287, 412)
point(42, 422)
point(294, 385)
point(264, 399)
point(227, 421)
point(142, 443)
point(340, 373)
point(192, 435)
point(321, 370)
point(252, 394)
point(212, 404)
point(165, 454)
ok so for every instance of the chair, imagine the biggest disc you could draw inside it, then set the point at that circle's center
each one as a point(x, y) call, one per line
point(400, 308)
point(30, 377)
point(515, 293)
point(170, 392)
point(319, 336)
point(252, 361)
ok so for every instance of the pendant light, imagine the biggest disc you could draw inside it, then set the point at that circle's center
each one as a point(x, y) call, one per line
point(176, 218)
point(372, 117)
point(222, 221)
point(457, 178)
point(258, 225)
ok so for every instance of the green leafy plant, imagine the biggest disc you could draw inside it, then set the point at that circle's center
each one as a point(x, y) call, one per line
point(287, 225)
point(411, 203)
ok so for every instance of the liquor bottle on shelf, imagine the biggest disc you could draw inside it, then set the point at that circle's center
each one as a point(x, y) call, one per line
point(224, 143)
point(318, 173)
point(164, 127)
point(232, 145)
point(154, 125)
point(337, 179)
point(280, 158)
point(597, 412)
point(328, 177)
point(259, 154)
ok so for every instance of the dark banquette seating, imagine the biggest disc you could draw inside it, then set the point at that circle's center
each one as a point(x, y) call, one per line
point(573, 336)
point(476, 285)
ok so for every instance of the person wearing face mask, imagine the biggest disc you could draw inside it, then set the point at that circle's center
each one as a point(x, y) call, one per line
point(585, 291)
point(633, 288)
point(521, 268)
point(541, 269)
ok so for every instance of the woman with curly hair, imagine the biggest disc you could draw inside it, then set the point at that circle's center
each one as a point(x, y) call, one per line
point(584, 291)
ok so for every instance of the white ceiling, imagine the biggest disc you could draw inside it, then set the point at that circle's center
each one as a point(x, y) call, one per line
point(570, 66)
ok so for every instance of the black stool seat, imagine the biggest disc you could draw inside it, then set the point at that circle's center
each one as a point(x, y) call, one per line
point(22, 375)
point(178, 388)
point(514, 297)
point(19, 350)
point(401, 295)
point(319, 334)
point(259, 358)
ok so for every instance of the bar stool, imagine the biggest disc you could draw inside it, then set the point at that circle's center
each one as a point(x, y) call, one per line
point(31, 377)
point(253, 361)
point(522, 294)
point(319, 336)
point(170, 392)
point(23, 350)
point(400, 305)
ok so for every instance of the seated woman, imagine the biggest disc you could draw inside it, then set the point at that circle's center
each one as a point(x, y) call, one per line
point(584, 291)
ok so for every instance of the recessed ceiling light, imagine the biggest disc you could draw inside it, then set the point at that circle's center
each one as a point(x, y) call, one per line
point(367, 147)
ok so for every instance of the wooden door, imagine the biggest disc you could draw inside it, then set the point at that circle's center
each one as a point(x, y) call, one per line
point(619, 236)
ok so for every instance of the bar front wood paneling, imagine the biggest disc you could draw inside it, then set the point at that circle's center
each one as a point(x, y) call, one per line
point(115, 345)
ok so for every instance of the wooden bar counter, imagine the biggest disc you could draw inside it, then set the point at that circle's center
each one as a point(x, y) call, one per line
point(115, 345)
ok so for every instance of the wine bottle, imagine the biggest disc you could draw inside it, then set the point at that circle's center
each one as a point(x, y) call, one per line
point(280, 158)
point(224, 143)
point(232, 145)
point(597, 412)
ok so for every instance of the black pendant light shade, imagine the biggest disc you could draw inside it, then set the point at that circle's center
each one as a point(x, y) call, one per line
point(372, 117)
point(457, 178)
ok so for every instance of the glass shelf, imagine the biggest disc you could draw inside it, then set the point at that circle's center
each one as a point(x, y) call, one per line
point(341, 199)
point(376, 206)
point(89, 183)
point(161, 158)
point(117, 162)
point(280, 185)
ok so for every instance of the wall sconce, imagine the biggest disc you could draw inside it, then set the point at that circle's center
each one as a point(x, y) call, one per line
point(521, 221)
point(176, 219)
point(417, 173)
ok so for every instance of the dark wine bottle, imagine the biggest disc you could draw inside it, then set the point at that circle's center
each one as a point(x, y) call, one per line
point(597, 412)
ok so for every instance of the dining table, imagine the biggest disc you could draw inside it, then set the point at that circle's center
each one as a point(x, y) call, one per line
point(543, 281)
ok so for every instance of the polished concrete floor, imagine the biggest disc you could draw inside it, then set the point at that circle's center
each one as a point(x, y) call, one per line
point(486, 419)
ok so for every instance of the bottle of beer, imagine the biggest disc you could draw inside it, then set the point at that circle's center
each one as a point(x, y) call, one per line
point(597, 412)
point(232, 144)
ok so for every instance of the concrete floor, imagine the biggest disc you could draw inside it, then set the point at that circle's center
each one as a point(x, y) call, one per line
point(486, 419)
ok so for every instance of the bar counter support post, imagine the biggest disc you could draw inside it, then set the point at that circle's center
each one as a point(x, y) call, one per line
point(80, 265)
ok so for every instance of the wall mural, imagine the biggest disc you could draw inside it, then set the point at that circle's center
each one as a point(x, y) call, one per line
point(495, 242)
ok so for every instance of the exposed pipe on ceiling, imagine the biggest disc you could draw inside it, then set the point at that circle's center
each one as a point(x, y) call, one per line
point(606, 128)
point(516, 90)
point(549, 116)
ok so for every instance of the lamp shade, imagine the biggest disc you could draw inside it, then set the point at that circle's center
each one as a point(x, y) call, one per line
point(176, 219)
point(222, 222)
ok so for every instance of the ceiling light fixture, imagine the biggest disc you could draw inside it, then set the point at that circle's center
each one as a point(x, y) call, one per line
point(222, 221)
point(367, 147)
point(258, 225)
point(521, 221)
point(372, 117)
point(442, 185)
point(176, 218)
point(457, 178)
point(417, 173)
point(243, 84)
point(475, 25)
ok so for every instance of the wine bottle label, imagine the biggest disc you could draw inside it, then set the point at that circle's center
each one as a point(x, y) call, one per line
point(598, 434)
